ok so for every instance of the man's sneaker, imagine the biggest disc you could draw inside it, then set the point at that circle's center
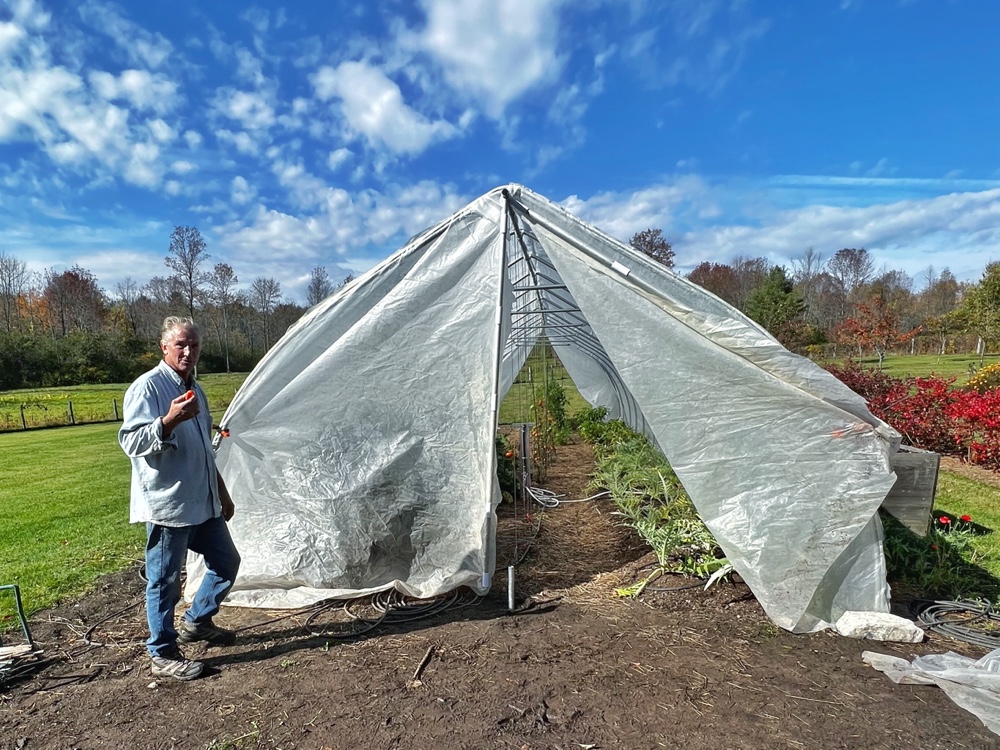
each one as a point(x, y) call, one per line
point(173, 664)
point(189, 632)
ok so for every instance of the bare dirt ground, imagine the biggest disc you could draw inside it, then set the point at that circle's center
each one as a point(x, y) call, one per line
point(573, 667)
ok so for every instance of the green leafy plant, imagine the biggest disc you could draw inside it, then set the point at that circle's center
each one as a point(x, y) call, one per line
point(650, 498)
point(946, 564)
point(506, 473)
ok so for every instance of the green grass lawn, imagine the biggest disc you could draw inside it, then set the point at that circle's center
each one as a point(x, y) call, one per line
point(48, 407)
point(64, 505)
point(961, 366)
point(960, 496)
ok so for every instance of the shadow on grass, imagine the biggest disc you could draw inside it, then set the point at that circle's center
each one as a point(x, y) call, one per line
point(940, 566)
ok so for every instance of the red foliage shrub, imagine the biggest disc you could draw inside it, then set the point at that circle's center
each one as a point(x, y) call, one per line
point(920, 409)
point(976, 426)
point(931, 413)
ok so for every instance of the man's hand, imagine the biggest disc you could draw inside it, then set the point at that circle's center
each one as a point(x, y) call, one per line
point(228, 509)
point(182, 409)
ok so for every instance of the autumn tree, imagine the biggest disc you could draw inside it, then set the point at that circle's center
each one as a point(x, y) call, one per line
point(651, 242)
point(187, 253)
point(320, 286)
point(75, 301)
point(717, 278)
point(875, 326)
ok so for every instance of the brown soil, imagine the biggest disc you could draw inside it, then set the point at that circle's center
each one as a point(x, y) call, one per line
point(979, 473)
point(573, 667)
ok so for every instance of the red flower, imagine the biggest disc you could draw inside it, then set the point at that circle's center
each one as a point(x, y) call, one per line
point(967, 519)
point(945, 520)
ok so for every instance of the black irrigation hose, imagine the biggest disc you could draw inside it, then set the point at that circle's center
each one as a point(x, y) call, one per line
point(90, 631)
point(659, 574)
point(955, 618)
point(392, 607)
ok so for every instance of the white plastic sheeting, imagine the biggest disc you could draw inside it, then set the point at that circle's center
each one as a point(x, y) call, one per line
point(362, 458)
point(973, 684)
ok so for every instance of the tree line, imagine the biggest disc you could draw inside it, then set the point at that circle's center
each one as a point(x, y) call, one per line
point(845, 305)
point(61, 328)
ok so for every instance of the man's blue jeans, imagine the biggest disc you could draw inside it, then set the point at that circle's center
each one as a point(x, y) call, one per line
point(166, 551)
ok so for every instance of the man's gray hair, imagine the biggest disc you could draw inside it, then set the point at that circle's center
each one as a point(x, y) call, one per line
point(175, 323)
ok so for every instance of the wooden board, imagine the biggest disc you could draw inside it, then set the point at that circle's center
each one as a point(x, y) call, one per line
point(911, 498)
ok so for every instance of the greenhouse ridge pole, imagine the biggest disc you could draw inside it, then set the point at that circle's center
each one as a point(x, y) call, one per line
point(498, 363)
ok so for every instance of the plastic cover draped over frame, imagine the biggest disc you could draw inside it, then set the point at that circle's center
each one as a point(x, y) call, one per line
point(362, 448)
point(361, 455)
point(784, 463)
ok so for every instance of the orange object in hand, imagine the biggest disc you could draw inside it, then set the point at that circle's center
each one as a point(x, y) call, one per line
point(189, 395)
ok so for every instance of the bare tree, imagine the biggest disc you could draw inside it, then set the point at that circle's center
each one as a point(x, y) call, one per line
point(222, 283)
point(14, 279)
point(852, 267)
point(320, 286)
point(127, 293)
point(264, 295)
point(650, 242)
point(806, 270)
point(187, 253)
point(751, 273)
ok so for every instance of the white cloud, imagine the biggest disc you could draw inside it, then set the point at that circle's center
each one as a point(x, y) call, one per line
point(307, 189)
point(249, 108)
point(28, 13)
point(148, 49)
point(492, 51)
point(139, 87)
point(248, 67)
point(243, 142)
point(659, 206)
point(281, 244)
point(143, 166)
point(373, 106)
point(161, 131)
point(337, 158)
point(240, 191)
point(10, 36)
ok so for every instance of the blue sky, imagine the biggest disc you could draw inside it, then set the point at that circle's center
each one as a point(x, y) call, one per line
point(303, 134)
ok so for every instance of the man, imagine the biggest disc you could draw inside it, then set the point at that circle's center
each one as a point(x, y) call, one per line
point(180, 496)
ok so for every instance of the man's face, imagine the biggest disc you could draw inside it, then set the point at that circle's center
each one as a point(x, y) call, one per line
point(181, 351)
